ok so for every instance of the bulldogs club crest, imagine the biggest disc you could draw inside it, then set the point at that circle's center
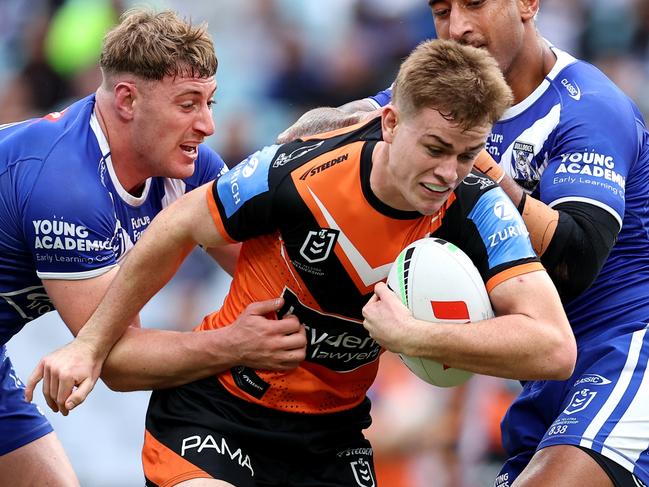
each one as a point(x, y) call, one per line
point(526, 172)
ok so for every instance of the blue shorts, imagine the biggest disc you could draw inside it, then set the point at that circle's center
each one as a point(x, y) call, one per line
point(604, 407)
point(21, 422)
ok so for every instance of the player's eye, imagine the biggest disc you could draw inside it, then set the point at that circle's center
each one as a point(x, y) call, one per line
point(467, 157)
point(440, 13)
point(434, 151)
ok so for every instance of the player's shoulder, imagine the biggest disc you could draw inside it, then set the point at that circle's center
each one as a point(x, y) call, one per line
point(585, 91)
point(38, 137)
point(56, 148)
point(472, 187)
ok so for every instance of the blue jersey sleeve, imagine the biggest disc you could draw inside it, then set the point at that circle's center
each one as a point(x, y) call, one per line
point(593, 153)
point(382, 98)
point(71, 229)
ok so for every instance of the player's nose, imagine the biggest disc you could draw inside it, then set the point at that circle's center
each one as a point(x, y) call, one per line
point(459, 25)
point(204, 123)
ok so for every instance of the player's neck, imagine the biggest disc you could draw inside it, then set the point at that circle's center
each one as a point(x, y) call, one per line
point(530, 68)
point(125, 169)
point(127, 172)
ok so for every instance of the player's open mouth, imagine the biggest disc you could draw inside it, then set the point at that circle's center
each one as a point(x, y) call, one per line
point(434, 188)
point(190, 150)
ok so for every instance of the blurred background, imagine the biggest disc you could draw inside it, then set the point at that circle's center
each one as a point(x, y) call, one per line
point(278, 58)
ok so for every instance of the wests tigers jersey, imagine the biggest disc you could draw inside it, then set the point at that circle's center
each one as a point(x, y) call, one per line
point(315, 233)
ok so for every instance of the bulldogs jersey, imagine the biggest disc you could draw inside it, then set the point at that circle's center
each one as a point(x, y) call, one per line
point(63, 212)
point(315, 233)
point(578, 138)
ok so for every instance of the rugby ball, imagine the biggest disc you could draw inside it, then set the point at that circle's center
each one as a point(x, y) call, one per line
point(438, 282)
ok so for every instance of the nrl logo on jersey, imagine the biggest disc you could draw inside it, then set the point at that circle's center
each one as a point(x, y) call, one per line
point(525, 172)
point(284, 158)
point(318, 244)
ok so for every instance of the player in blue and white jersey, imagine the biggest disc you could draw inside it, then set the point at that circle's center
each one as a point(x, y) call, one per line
point(573, 154)
point(77, 190)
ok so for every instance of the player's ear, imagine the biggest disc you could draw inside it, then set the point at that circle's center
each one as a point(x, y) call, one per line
point(389, 122)
point(528, 9)
point(124, 99)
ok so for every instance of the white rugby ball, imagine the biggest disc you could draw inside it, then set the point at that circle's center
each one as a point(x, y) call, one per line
point(438, 282)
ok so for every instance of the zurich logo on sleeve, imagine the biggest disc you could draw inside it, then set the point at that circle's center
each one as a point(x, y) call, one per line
point(501, 228)
point(246, 180)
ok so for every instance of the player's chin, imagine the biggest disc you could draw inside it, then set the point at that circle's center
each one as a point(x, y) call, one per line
point(430, 207)
point(182, 169)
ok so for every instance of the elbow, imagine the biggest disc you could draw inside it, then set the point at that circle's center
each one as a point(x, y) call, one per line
point(115, 382)
point(562, 358)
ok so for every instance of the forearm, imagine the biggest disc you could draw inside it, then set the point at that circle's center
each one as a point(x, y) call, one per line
point(146, 359)
point(325, 119)
point(513, 190)
point(512, 346)
point(148, 267)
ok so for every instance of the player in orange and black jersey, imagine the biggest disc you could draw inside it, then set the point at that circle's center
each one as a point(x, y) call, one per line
point(322, 220)
point(315, 233)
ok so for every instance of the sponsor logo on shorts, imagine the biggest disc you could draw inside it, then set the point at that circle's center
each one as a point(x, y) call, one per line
point(363, 472)
point(592, 379)
point(220, 446)
point(580, 401)
point(351, 452)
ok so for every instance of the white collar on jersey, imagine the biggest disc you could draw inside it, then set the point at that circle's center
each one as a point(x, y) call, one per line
point(105, 151)
point(563, 60)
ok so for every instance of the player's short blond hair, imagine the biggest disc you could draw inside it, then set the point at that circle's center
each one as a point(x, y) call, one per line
point(463, 83)
point(154, 45)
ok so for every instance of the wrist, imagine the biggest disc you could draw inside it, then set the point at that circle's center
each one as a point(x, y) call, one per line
point(98, 349)
point(223, 349)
